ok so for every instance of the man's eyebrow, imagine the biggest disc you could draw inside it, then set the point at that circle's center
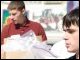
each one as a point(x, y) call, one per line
point(12, 13)
point(67, 29)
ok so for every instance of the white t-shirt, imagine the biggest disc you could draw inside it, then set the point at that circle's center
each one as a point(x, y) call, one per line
point(59, 49)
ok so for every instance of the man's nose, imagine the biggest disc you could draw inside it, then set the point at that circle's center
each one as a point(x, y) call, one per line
point(11, 17)
point(65, 36)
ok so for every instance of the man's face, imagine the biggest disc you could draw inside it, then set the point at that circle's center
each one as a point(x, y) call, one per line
point(16, 16)
point(72, 38)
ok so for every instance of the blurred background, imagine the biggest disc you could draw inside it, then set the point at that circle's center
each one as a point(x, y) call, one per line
point(48, 13)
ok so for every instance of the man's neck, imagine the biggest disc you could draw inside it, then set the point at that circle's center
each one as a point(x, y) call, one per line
point(22, 24)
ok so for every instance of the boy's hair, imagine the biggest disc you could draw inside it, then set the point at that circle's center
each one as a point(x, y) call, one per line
point(71, 18)
point(19, 5)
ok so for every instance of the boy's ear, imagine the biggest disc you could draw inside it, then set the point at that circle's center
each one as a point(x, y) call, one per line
point(23, 11)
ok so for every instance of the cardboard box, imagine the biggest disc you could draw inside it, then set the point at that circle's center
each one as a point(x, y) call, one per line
point(17, 55)
point(2, 55)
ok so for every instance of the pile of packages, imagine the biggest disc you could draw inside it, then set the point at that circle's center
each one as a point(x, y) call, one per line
point(18, 46)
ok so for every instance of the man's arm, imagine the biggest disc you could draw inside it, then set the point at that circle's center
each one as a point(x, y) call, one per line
point(42, 33)
point(4, 33)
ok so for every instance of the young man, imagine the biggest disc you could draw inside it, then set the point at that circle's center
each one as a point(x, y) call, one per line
point(20, 24)
point(71, 28)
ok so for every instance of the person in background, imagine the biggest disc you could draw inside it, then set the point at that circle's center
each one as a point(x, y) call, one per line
point(20, 23)
point(71, 29)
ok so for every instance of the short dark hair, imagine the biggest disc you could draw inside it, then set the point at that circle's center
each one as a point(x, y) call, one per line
point(71, 18)
point(16, 5)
